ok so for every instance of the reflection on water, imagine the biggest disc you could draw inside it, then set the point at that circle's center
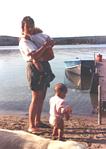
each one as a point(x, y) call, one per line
point(94, 101)
point(15, 95)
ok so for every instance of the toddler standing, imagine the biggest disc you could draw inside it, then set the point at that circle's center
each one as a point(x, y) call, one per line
point(59, 109)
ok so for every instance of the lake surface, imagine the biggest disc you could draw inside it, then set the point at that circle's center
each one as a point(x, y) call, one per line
point(14, 93)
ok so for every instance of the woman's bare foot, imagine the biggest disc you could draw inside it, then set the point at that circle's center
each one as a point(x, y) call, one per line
point(32, 130)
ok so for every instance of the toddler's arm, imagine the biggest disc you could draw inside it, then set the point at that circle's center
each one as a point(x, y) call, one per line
point(67, 112)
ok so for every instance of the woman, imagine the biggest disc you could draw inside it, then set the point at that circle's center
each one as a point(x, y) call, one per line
point(34, 56)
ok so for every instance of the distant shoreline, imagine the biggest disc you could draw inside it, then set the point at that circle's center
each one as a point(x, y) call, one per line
point(13, 41)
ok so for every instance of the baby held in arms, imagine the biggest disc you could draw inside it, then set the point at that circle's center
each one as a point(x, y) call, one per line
point(40, 39)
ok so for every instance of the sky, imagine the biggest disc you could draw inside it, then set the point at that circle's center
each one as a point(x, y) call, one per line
point(57, 18)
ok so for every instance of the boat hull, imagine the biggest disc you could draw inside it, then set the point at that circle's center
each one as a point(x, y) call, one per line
point(80, 76)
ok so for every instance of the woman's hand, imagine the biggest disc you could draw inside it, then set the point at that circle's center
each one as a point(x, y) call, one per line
point(47, 45)
point(50, 41)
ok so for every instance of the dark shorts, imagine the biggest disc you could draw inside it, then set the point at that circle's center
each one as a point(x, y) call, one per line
point(35, 79)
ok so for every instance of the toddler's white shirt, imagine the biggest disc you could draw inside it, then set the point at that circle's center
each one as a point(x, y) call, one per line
point(56, 103)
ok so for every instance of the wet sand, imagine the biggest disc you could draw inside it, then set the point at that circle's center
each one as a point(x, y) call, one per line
point(78, 128)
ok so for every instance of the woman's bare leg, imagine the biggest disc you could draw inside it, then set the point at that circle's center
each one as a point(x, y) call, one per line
point(33, 109)
point(40, 106)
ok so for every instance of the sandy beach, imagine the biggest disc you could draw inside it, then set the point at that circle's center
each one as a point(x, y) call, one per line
point(79, 128)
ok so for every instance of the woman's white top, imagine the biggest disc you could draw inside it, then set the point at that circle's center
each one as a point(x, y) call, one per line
point(25, 47)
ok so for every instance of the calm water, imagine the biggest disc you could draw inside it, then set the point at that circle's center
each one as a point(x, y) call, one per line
point(14, 93)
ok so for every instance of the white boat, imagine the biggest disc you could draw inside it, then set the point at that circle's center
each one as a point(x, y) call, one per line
point(79, 72)
point(74, 66)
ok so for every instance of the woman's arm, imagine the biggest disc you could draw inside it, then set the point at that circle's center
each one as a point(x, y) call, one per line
point(51, 41)
point(37, 54)
point(49, 54)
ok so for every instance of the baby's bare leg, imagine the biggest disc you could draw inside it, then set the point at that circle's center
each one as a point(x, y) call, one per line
point(38, 65)
point(60, 128)
point(54, 132)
